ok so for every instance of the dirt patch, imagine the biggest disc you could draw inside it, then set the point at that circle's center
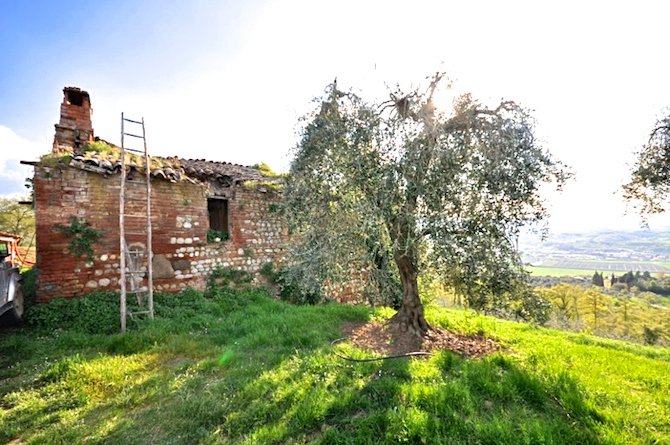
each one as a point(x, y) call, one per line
point(386, 339)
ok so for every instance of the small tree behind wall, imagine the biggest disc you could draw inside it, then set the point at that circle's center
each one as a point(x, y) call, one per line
point(399, 185)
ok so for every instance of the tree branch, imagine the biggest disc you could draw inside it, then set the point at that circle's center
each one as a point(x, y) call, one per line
point(656, 130)
point(506, 105)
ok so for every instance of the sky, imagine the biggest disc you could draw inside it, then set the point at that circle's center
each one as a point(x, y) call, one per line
point(229, 80)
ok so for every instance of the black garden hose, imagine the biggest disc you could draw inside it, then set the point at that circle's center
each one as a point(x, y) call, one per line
point(374, 359)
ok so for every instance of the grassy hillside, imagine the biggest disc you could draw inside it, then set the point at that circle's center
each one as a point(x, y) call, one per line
point(237, 367)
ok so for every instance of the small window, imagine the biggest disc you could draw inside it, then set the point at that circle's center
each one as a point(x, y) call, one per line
point(218, 214)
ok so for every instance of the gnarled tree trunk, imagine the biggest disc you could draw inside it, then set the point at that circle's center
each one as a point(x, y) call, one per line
point(410, 315)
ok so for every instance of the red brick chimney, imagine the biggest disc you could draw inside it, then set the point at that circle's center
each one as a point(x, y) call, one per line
point(75, 127)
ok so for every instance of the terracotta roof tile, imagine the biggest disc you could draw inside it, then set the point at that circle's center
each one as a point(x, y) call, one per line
point(173, 168)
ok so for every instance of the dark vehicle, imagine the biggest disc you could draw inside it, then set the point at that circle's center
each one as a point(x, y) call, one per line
point(11, 294)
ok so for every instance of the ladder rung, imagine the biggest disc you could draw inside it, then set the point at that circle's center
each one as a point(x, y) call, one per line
point(136, 233)
point(130, 120)
point(136, 291)
point(135, 215)
point(138, 313)
point(133, 136)
point(134, 150)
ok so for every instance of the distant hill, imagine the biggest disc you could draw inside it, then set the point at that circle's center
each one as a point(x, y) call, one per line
point(607, 250)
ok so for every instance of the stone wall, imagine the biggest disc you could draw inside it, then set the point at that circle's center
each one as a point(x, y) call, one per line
point(182, 256)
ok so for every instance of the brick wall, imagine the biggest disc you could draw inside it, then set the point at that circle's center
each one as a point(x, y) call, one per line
point(183, 258)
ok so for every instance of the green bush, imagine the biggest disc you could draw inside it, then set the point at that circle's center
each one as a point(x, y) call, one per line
point(29, 286)
point(289, 290)
point(187, 311)
point(97, 313)
point(226, 277)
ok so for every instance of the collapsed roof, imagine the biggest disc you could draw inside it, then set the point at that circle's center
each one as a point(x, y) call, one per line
point(104, 158)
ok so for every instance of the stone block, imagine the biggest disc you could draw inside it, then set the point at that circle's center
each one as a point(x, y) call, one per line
point(181, 265)
point(162, 268)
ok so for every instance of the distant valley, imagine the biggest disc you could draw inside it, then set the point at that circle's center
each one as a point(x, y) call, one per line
point(610, 251)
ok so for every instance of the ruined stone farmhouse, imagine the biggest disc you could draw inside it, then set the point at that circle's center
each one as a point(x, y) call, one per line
point(190, 198)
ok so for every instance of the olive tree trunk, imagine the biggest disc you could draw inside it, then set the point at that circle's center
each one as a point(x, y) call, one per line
point(410, 316)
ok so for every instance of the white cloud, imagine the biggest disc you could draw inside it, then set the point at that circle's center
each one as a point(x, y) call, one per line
point(13, 149)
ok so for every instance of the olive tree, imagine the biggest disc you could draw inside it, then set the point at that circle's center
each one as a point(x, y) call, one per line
point(385, 189)
point(649, 184)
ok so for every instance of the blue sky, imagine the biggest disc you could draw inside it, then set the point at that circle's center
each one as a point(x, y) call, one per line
point(228, 80)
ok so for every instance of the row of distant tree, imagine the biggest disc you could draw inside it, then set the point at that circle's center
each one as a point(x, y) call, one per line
point(614, 315)
point(642, 280)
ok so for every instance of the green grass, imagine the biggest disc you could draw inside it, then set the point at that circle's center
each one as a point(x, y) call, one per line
point(586, 271)
point(237, 367)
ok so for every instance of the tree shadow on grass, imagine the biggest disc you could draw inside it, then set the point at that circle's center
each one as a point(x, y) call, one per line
point(445, 399)
point(311, 396)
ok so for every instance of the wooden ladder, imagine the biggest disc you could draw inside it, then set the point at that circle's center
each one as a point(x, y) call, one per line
point(136, 278)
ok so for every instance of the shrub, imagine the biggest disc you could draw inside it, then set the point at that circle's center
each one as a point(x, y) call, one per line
point(650, 335)
point(29, 285)
point(187, 311)
point(289, 290)
point(225, 277)
point(97, 313)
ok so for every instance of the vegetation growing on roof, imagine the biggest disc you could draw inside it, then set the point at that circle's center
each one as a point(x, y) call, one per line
point(55, 159)
point(265, 170)
point(104, 150)
point(269, 185)
point(102, 147)
point(112, 153)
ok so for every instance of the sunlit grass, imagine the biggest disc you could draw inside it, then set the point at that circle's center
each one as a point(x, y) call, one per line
point(241, 368)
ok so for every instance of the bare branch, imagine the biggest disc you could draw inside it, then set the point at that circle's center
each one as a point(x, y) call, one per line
point(656, 130)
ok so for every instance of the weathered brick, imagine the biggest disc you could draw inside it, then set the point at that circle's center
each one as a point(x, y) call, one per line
point(63, 275)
